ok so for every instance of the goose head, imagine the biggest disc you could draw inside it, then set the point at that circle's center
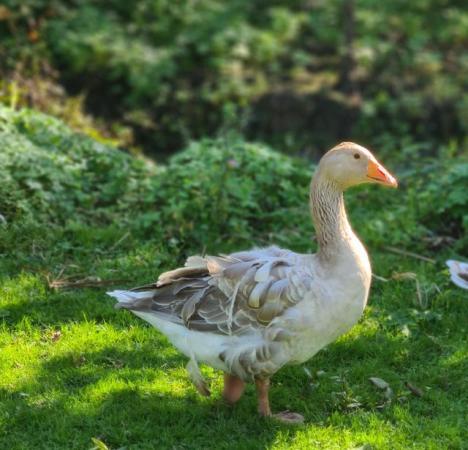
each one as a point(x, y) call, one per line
point(350, 164)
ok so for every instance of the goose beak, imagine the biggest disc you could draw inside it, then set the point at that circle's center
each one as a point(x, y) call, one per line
point(378, 173)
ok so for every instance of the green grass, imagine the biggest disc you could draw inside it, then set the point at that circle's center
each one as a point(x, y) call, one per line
point(73, 368)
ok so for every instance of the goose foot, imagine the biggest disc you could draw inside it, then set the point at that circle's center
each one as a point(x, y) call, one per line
point(289, 417)
point(203, 389)
point(197, 379)
point(233, 388)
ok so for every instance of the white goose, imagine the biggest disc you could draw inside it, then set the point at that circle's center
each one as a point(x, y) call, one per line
point(250, 313)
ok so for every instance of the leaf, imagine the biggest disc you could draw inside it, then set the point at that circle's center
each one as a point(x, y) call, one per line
point(414, 389)
point(381, 384)
point(56, 335)
point(98, 444)
point(353, 405)
point(405, 331)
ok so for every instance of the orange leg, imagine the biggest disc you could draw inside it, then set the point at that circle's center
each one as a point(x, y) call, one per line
point(264, 405)
point(262, 391)
point(233, 388)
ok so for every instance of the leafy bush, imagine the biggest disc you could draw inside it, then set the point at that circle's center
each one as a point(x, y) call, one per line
point(217, 190)
point(222, 191)
point(51, 175)
point(444, 202)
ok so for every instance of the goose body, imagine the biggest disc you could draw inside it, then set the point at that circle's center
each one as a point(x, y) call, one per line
point(250, 313)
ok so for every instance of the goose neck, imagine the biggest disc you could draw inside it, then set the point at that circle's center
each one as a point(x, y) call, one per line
point(329, 216)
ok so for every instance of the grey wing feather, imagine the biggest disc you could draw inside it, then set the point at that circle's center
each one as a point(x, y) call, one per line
point(227, 294)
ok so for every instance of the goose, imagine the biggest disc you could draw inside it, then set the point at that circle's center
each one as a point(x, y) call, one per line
point(250, 313)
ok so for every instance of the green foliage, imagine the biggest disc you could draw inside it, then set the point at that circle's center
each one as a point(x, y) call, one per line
point(216, 191)
point(447, 204)
point(173, 67)
point(52, 175)
point(300, 74)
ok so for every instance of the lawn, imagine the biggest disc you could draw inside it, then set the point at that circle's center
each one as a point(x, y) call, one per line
point(73, 369)
point(77, 374)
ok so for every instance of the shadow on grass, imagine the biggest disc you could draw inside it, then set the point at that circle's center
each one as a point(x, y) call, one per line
point(48, 308)
point(134, 418)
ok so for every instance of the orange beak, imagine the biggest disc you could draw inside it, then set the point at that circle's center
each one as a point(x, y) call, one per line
point(379, 174)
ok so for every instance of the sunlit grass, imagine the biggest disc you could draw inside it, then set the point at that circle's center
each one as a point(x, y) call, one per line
point(74, 368)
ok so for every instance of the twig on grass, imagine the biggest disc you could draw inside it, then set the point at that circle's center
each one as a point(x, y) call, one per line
point(67, 283)
point(399, 251)
point(379, 278)
point(414, 389)
point(412, 276)
point(119, 241)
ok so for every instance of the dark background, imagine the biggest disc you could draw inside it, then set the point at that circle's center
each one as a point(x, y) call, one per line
point(299, 75)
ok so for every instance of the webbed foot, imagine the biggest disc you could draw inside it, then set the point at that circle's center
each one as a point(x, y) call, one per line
point(289, 417)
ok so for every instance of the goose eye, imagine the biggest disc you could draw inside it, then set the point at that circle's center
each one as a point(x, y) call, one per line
point(357, 156)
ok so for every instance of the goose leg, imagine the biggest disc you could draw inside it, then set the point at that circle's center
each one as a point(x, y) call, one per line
point(197, 378)
point(264, 405)
point(263, 385)
point(233, 388)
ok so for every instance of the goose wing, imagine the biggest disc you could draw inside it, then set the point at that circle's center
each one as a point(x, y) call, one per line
point(226, 294)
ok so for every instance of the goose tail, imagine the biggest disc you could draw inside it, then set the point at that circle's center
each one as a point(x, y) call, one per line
point(131, 299)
